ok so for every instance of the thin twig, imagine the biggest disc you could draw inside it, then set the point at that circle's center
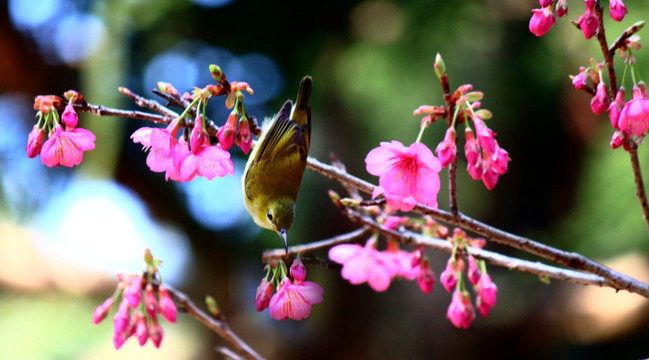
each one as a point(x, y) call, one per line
point(640, 192)
point(529, 267)
point(450, 106)
point(218, 326)
point(299, 249)
point(621, 40)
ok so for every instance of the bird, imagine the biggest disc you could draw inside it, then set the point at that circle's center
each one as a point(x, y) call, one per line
point(274, 170)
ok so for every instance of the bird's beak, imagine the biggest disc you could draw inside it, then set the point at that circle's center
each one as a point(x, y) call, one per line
point(282, 234)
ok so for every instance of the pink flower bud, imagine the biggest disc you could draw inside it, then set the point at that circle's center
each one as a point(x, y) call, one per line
point(618, 139)
point(35, 142)
point(133, 293)
point(118, 340)
point(461, 311)
point(244, 138)
point(150, 302)
point(155, 332)
point(70, 117)
point(545, 3)
point(264, 293)
point(417, 256)
point(588, 23)
point(227, 132)
point(475, 170)
point(102, 310)
point(448, 278)
point(121, 318)
point(600, 102)
point(486, 136)
point(167, 306)
point(562, 8)
point(487, 295)
point(579, 80)
point(298, 271)
point(471, 147)
point(473, 272)
point(616, 107)
point(199, 137)
point(426, 278)
point(141, 331)
point(541, 21)
point(447, 150)
point(617, 9)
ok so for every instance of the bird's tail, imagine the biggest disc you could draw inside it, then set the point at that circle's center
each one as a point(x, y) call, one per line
point(301, 113)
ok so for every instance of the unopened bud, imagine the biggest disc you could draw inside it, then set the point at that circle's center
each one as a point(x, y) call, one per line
point(217, 73)
point(439, 66)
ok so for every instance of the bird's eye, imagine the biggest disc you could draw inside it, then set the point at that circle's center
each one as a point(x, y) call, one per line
point(269, 216)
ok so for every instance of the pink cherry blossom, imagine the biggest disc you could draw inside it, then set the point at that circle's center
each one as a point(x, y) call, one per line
point(393, 222)
point(461, 311)
point(447, 150)
point(588, 23)
point(471, 148)
point(294, 300)
point(407, 175)
point(35, 141)
point(579, 80)
point(600, 102)
point(198, 137)
point(545, 3)
point(141, 330)
point(155, 332)
point(486, 136)
point(634, 117)
point(70, 117)
point(493, 166)
point(264, 292)
point(121, 322)
point(66, 147)
point(487, 294)
point(541, 21)
point(210, 162)
point(617, 9)
point(365, 264)
point(166, 305)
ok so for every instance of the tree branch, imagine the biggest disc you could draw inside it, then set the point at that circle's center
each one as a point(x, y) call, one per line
point(218, 326)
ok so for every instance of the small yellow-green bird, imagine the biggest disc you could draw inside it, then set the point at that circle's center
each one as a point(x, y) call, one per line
point(276, 165)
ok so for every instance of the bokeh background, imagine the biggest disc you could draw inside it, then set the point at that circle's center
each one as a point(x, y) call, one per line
point(66, 233)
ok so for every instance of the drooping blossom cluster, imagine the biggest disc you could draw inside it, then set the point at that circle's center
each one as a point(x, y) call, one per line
point(141, 298)
point(58, 140)
point(629, 119)
point(461, 311)
point(543, 19)
point(367, 264)
point(294, 296)
point(486, 160)
point(182, 159)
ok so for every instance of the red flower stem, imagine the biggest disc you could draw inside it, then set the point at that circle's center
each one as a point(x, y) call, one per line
point(640, 192)
point(218, 326)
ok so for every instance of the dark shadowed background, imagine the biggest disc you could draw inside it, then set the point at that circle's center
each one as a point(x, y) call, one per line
point(66, 233)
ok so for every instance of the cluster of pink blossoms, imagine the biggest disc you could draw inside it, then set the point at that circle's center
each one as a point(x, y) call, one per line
point(294, 297)
point(65, 142)
point(142, 300)
point(179, 160)
point(543, 18)
point(366, 264)
point(461, 311)
point(486, 160)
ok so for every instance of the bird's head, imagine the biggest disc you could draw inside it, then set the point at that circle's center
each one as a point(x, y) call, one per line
point(280, 217)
